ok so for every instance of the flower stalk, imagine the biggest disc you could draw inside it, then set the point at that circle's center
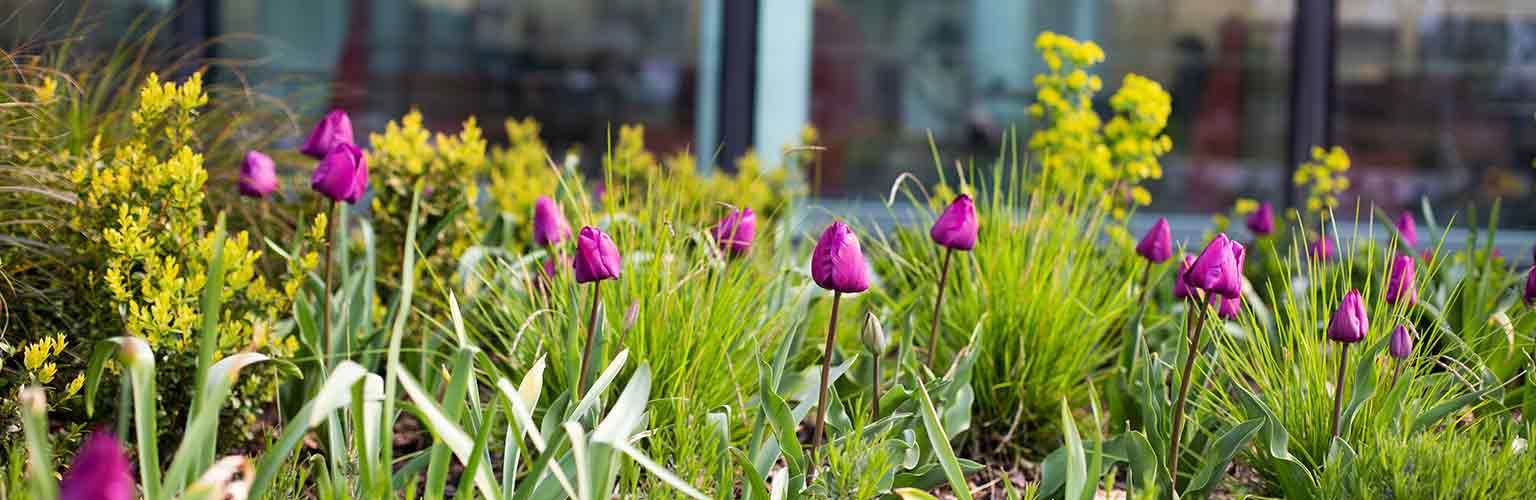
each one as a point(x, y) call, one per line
point(586, 354)
point(933, 327)
point(826, 373)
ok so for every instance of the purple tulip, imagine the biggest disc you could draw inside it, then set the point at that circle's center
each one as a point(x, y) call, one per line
point(1215, 270)
point(1407, 229)
point(956, 228)
point(1349, 323)
point(549, 226)
point(258, 175)
point(1227, 308)
point(1181, 289)
point(1401, 344)
point(335, 128)
point(100, 471)
point(1530, 288)
point(597, 258)
point(1400, 285)
point(837, 264)
point(736, 231)
point(1321, 250)
point(342, 175)
point(1157, 244)
point(1262, 222)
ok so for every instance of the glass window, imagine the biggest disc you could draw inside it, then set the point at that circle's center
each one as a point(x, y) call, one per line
point(884, 74)
point(1438, 99)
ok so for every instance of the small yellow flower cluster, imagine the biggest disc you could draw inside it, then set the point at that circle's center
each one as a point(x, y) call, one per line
point(637, 177)
point(39, 364)
point(1135, 134)
point(1324, 178)
point(449, 166)
point(1245, 206)
point(1078, 150)
point(521, 171)
point(141, 214)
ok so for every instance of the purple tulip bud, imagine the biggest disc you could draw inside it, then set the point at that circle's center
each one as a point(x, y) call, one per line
point(956, 228)
point(342, 175)
point(1400, 285)
point(100, 471)
point(597, 258)
point(1407, 229)
point(1349, 322)
point(1181, 289)
point(1401, 344)
point(1157, 245)
point(1262, 222)
point(1215, 271)
point(335, 128)
point(1227, 308)
point(258, 175)
point(1530, 288)
point(1321, 250)
point(549, 226)
point(837, 263)
point(736, 231)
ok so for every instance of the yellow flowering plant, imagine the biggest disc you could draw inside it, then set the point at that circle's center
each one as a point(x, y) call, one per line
point(1324, 177)
point(1078, 151)
point(450, 166)
point(141, 216)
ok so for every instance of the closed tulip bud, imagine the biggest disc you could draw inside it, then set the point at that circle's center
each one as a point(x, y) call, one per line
point(873, 335)
point(631, 315)
point(597, 258)
point(1530, 288)
point(837, 264)
point(1407, 229)
point(258, 175)
point(1181, 289)
point(736, 231)
point(100, 471)
point(335, 128)
point(549, 226)
point(956, 228)
point(1215, 270)
point(1400, 285)
point(1157, 244)
point(1227, 308)
point(1321, 250)
point(1262, 221)
point(1349, 323)
point(342, 175)
point(1401, 344)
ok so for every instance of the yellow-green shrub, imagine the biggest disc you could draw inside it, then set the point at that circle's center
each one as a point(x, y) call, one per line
point(140, 226)
point(450, 166)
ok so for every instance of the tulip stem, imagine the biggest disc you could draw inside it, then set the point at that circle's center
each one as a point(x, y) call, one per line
point(586, 355)
point(1338, 388)
point(1398, 370)
point(1146, 277)
point(875, 359)
point(826, 372)
point(325, 295)
point(1193, 337)
point(933, 329)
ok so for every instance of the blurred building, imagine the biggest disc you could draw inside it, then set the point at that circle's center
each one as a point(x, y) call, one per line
point(1432, 98)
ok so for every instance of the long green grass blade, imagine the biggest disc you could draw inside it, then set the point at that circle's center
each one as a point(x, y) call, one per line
point(936, 438)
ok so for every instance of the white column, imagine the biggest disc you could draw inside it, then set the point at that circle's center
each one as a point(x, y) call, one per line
point(783, 76)
point(707, 99)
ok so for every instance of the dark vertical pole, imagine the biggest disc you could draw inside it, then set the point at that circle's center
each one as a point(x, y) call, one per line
point(1314, 41)
point(192, 24)
point(738, 81)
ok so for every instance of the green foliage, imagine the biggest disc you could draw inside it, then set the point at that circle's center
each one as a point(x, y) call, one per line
point(1482, 460)
point(1046, 295)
